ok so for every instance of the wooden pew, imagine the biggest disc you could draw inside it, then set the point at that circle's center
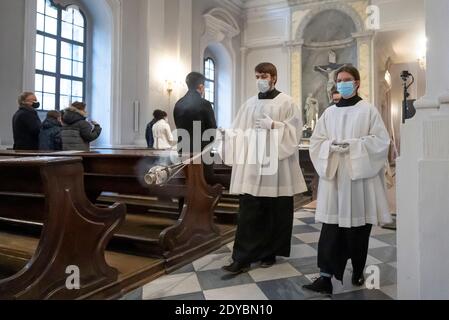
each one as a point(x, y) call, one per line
point(73, 232)
point(179, 239)
point(310, 174)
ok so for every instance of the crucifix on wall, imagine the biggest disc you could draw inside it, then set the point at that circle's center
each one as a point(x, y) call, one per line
point(329, 72)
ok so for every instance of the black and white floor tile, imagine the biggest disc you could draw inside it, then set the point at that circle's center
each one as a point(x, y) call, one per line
point(204, 279)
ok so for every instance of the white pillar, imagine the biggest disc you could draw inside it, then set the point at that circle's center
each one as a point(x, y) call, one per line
point(244, 51)
point(423, 175)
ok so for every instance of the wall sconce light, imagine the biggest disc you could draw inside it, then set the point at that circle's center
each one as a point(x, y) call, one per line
point(169, 84)
point(169, 88)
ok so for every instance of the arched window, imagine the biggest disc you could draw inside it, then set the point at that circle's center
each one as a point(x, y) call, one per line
point(60, 55)
point(210, 73)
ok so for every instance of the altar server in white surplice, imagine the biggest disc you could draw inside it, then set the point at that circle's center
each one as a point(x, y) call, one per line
point(265, 173)
point(349, 150)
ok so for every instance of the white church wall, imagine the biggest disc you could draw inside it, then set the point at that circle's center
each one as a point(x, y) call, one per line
point(279, 57)
point(226, 48)
point(134, 72)
point(12, 21)
point(397, 14)
point(266, 31)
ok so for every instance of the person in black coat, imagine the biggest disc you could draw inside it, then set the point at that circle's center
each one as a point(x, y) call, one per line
point(191, 109)
point(26, 123)
point(50, 136)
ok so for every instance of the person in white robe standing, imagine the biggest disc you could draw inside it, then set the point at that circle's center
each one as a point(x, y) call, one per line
point(349, 150)
point(162, 134)
point(263, 148)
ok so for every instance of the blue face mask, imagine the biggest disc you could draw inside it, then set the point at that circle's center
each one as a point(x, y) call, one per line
point(346, 89)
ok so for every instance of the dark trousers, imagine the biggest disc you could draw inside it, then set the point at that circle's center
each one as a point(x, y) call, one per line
point(337, 245)
point(264, 228)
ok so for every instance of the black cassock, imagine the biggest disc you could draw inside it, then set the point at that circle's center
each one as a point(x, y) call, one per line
point(337, 245)
point(264, 228)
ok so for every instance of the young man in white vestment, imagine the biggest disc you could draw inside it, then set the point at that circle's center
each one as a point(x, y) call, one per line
point(263, 149)
point(349, 150)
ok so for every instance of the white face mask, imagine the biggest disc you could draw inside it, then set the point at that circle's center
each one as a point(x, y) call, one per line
point(263, 85)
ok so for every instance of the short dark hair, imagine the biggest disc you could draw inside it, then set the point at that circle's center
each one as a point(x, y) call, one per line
point(353, 71)
point(53, 114)
point(267, 67)
point(159, 114)
point(194, 80)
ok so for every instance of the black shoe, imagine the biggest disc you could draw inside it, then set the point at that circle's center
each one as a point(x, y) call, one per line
point(268, 262)
point(321, 285)
point(237, 268)
point(358, 279)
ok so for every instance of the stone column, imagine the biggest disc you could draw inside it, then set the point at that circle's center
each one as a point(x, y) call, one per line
point(364, 55)
point(244, 54)
point(423, 175)
point(295, 53)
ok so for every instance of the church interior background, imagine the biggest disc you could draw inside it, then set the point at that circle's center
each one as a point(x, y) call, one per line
point(136, 54)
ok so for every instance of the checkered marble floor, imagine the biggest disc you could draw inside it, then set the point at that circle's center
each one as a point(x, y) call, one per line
point(204, 279)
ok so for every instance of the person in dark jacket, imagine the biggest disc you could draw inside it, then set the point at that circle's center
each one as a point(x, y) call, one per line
point(26, 123)
point(50, 136)
point(77, 133)
point(149, 131)
point(195, 115)
point(193, 108)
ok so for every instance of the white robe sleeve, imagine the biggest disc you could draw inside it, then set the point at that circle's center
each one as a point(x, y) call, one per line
point(368, 155)
point(323, 159)
point(289, 132)
point(226, 149)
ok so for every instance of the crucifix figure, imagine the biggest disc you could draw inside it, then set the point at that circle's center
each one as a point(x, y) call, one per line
point(329, 72)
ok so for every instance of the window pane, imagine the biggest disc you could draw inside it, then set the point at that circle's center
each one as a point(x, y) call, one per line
point(66, 50)
point(51, 25)
point(40, 22)
point(77, 88)
point(79, 99)
point(38, 82)
point(41, 6)
point(78, 53)
point(50, 46)
point(67, 29)
point(66, 67)
point(64, 102)
point(212, 75)
point(39, 97)
point(50, 10)
point(49, 63)
point(67, 15)
point(49, 102)
point(78, 34)
point(39, 61)
point(39, 43)
point(78, 18)
point(78, 69)
point(49, 84)
point(66, 87)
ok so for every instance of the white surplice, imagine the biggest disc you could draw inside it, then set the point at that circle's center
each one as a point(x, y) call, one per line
point(245, 143)
point(352, 190)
